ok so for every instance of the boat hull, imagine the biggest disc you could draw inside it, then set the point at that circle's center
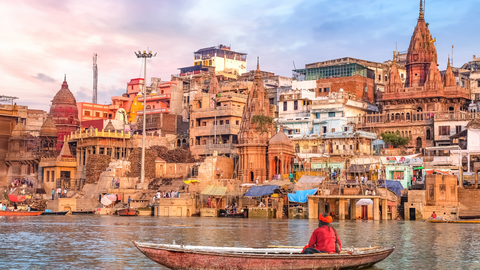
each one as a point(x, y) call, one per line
point(199, 260)
point(15, 213)
point(60, 213)
point(453, 221)
point(83, 212)
point(128, 212)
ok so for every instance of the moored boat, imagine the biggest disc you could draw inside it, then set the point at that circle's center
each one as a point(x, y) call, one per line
point(59, 213)
point(454, 221)
point(128, 212)
point(272, 258)
point(233, 215)
point(19, 213)
point(83, 212)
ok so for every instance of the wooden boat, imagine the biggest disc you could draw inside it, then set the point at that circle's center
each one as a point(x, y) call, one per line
point(83, 212)
point(272, 258)
point(233, 215)
point(454, 221)
point(128, 212)
point(19, 213)
point(59, 213)
point(468, 217)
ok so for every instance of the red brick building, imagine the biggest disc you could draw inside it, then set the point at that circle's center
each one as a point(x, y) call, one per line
point(363, 87)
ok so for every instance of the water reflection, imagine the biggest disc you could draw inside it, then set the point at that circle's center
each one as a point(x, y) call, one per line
point(104, 242)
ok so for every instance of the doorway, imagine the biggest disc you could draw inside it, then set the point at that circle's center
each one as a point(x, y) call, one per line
point(412, 214)
point(365, 212)
point(252, 179)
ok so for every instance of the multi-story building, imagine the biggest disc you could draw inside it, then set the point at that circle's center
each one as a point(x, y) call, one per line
point(225, 61)
point(411, 108)
point(472, 70)
point(216, 116)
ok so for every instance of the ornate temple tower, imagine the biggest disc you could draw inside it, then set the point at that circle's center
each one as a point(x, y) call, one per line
point(64, 113)
point(48, 137)
point(449, 76)
point(280, 154)
point(256, 129)
point(421, 53)
point(395, 82)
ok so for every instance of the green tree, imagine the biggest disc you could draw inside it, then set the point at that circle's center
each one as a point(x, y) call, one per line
point(263, 122)
point(395, 139)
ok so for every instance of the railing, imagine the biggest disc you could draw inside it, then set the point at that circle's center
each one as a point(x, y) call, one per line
point(70, 184)
point(95, 133)
point(392, 118)
point(456, 116)
point(215, 146)
point(152, 97)
point(156, 110)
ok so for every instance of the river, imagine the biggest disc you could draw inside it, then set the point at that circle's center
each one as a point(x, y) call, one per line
point(104, 242)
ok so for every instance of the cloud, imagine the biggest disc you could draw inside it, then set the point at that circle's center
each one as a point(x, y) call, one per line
point(44, 78)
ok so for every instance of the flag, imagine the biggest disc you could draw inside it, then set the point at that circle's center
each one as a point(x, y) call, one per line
point(433, 40)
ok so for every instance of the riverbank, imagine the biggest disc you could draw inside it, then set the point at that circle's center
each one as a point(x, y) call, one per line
point(104, 242)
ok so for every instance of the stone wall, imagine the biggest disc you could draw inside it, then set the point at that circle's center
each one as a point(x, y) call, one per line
point(468, 202)
point(354, 84)
point(441, 190)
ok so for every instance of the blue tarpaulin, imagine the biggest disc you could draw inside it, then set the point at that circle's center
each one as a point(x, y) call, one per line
point(257, 191)
point(301, 195)
point(395, 186)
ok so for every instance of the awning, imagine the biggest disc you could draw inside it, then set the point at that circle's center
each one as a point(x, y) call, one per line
point(214, 191)
point(111, 197)
point(257, 191)
point(188, 182)
point(394, 186)
point(105, 201)
point(307, 182)
point(364, 202)
point(359, 168)
point(301, 195)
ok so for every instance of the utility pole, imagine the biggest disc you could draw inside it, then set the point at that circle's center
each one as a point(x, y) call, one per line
point(95, 79)
point(144, 55)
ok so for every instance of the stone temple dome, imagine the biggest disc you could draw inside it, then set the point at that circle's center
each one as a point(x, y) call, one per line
point(48, 128)
point(280, 138)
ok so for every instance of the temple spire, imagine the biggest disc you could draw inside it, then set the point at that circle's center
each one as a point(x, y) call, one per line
point(65, 77)
point(258, 63)
point(393, 57)
point(421, 10)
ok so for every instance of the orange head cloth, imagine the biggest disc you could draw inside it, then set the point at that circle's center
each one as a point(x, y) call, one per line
point(327, 219)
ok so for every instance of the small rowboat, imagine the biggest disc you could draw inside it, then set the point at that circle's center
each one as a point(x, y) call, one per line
point(128, 212)
point(60, 213)
point(181, 257)
point(83, 212)
point(233, 215)
point(454, 221)
point(18, 213)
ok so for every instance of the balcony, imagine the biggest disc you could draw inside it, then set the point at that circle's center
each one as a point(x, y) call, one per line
point(211, 130)
point(419, 92)
point(456, 116)
point(218, 111)
point(154, 111)
point(229, 96)
point(95, 133)
point(392, 120)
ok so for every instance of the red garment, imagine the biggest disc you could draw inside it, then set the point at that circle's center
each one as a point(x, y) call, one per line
point(434, 216)
point(323, 239)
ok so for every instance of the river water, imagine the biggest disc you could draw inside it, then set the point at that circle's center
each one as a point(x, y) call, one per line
point(104, 242)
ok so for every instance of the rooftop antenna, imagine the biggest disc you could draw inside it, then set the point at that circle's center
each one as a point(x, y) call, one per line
point(294, 65)
point(452, 55)
point(95, 79)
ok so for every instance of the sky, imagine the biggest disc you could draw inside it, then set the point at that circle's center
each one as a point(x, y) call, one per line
point(41, 40)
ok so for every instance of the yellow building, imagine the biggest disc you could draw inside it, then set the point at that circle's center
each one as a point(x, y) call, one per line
point(58, 171)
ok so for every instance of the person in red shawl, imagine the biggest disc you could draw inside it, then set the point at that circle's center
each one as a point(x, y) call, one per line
point(324, 239)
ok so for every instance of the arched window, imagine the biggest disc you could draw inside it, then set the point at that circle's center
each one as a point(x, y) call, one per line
point(397, 116)
point(297, 148)
point(393, 117)
point(407, 116)
point(403, 133)
point(428, 134)
point(410, 135)
point(451, 109)
point(148, 107)
point(419, 109)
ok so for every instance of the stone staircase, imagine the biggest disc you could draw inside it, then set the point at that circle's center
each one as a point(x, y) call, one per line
point(468, 202)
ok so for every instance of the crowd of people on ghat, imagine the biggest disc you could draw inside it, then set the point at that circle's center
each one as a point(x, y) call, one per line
point(59, 193)
point(166, 194)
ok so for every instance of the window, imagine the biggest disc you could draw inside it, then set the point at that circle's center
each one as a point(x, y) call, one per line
point(337, 147)
point(221, 122)
point(319, 90)
point(345, 129)
point(105, 115)
point(227, 122)
point(444, 130)
point(333, 130)
point(379, 77)
point(297, 131)
point(366, 89)
point(344, 147)
point(458, 129)
point(386, 78)
point(272, 101)
point(351, 146)
point(204, 124)
point(331, 114)
point(284, 106)
point(357, 87)
point(327, 90)
point(87, 113)
point(324, 129)
point(97, 114)
point(295, 105)
point(478, 83)
point(477, 96)
point(237, 122)
point(401, 75)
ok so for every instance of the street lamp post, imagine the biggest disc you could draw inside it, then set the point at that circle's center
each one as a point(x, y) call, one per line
point(144, 55)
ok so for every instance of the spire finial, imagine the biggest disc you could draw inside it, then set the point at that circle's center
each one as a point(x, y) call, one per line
point(421, 9)
point(448, 64)
point(65, 77)
point(394, 57)
point(258, 65)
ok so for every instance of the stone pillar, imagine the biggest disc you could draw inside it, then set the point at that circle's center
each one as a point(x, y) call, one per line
point(312, 207)
point(476, 179)
point(97, 149)
point(384, 209)
point(112, 154)
point(321, 206)
point(341, 209)
point(353, 209)
point(376, 209)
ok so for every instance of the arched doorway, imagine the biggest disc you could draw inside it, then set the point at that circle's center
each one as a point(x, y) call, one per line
point(419, 144)
point(428, 134)
point(252, 179)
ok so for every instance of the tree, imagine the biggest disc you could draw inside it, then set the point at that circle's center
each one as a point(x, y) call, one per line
point(395, 139)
